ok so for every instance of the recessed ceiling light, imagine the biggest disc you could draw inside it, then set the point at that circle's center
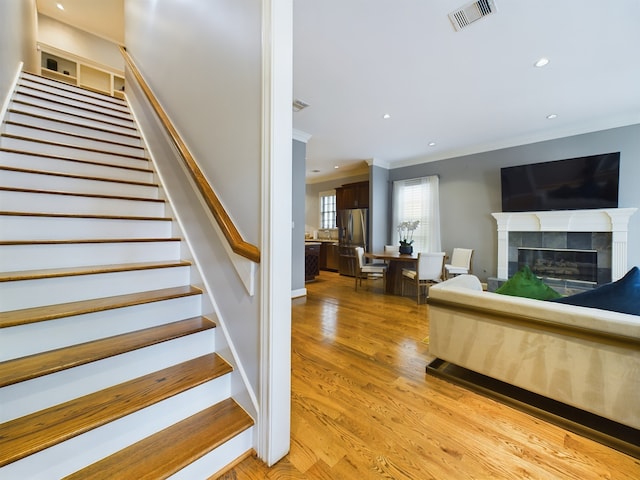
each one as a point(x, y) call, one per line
point(315, 170)
point(542, 62)
point(336, 166)
point(386, 116)
point(432, 144)
point(552, 116)
point(60, 6)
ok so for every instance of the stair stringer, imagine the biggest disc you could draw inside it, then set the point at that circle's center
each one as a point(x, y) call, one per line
point(196, 226)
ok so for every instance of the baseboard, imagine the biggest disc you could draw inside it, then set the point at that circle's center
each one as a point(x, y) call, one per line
point(602, 430)
point(300, 292)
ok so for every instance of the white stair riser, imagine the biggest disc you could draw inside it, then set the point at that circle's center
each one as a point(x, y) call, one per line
point(23, 340)
point(15, 258)
point(63, 459)
point(68, 117)
point(43, 392)
point(76, 152)
point(75, 128)
point(25, 228)
point(83, 95)
point(20, 160)
point(217, 459)
point(16, 295)
point(65, 139)
point(38, 181)
point(115, 110)
point(69, 109)
point(62, 86)
point(39, 163)
point(15, 201)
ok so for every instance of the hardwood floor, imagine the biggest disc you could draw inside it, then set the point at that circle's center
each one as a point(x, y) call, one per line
point(363, 408)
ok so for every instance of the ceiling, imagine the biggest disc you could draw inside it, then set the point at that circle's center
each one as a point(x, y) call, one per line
point(463, 91)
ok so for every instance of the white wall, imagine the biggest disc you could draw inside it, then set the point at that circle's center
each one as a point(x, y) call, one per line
point(202, 58)
point(18, 26)
point(78, 42)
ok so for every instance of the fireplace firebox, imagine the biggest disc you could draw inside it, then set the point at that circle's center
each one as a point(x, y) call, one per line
point(565, 264)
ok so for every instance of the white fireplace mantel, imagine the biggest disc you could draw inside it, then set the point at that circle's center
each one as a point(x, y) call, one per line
point(614, 220)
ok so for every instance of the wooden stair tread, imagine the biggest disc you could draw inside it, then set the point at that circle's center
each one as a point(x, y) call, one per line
point(75, 124)
point(68, 145)
point(35, 432)
point(78, 160)
point(88, 240)
point(75, 176)
point(172, 449)
point(52, 312)
point(82, 215)
point(40, 364)
point(34, 77)
point(72, 134)
point(84, 195)
point(32, 92)
point(74, 115)
point(90, 270)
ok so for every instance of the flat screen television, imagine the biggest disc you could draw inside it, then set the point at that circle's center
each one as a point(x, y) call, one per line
point(571, 184)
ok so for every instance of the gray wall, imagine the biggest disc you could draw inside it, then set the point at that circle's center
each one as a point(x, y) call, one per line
point(298, 215)
point(379, 202)
point(18, 33)
point(470, 188)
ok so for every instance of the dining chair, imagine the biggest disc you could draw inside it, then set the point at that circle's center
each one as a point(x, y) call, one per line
point(368, 271)
point(429, 270)
point(391, 248)
point(460, 262)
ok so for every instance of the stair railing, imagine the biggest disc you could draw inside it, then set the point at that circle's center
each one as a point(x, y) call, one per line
point(231, 233)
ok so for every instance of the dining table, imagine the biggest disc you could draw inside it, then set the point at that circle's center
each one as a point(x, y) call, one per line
point(395, 263)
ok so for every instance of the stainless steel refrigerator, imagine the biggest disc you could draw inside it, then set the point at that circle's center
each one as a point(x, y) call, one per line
point(353, 228)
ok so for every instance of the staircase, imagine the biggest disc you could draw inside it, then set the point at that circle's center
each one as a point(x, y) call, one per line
point(108, 367)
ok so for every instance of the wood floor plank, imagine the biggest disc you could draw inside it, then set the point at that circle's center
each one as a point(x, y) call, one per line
point(46, 363)
point(363, 407)
point(32, 433)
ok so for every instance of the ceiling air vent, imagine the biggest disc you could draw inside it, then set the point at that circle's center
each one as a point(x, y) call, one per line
point(465, 16)
point(299, 105)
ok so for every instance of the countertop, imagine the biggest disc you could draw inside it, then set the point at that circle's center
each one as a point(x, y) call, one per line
point(320, 240)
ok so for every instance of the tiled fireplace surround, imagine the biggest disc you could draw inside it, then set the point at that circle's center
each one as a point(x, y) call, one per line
point(604, 230)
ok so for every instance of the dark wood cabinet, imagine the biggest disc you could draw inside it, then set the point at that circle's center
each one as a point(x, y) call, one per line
point(352, 195)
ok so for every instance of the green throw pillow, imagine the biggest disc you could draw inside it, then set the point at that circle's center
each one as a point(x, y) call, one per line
point(526, 284)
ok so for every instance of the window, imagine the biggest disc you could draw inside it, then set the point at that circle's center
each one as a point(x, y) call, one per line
point(328, 209)
point(417, 199)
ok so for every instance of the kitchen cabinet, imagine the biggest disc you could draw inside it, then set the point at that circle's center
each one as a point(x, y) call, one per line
point(66, 67)
point(329, 256)
point(352, 195)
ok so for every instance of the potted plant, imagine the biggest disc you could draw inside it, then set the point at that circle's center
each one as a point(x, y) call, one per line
point(405, 234)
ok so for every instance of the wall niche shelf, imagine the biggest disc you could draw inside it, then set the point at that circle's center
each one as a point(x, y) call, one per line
point(66, 67)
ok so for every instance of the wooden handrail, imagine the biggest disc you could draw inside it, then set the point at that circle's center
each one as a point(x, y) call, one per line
point(237, 243)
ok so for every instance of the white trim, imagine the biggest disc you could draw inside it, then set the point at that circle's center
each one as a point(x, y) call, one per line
point(300, 292)
point(11, 91)
point(615, 220)
point(274, 423)
point(301, 136)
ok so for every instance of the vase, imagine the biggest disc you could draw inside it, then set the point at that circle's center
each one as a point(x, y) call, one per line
point(406, 249)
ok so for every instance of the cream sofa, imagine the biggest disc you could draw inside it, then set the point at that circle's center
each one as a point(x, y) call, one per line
point(584, 357)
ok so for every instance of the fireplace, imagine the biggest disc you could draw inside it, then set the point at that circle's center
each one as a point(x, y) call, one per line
point(607, 229)
point(563, 264)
